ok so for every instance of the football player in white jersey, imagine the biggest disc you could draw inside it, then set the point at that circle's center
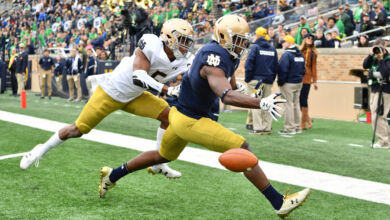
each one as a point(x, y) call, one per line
point(155, 61)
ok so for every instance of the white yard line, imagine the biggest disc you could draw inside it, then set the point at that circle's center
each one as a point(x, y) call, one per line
point(320, 140)
point(355, 145)
point(342, 185)
point(12, 156)
point(286, 136)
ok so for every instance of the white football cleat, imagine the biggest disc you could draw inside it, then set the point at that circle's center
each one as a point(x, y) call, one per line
point(30, 157)
point(165, 170)
point(291, 202)
point(105, 182)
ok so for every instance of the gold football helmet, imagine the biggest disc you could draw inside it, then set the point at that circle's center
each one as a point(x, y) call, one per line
point(232, 32)
point(178, 34)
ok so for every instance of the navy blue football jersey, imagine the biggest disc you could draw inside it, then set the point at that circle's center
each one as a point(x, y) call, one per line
point(196, 97)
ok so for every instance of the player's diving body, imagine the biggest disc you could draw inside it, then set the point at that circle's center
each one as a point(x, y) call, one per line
point(207, 78)
point(155, 61)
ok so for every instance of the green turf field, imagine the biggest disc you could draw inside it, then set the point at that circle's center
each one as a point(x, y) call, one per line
point(65, 184)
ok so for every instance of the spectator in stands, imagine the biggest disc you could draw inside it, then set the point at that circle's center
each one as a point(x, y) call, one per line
point(47, 65)
point(346, 20)
point(103, 55)
point(348, 10)
point(291, 69)
point(363, 41)
point(357, 15)
point(309, 52)
point(366, 25)
point(302, 25)
point(335, 40)
point(283, 6)
point(320, 40)
point(280, 39)
point(380, 17)
point(273, 37)
point(320, 25)
point(340, 26)
point(331, 25)
point(260, 67)
point(74, 67)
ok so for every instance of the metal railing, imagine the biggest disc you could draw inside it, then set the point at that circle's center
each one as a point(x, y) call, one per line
point(349, 41)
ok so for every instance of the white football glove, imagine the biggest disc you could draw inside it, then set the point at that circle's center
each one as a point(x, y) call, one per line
point(269, 104)
point(174, 91)
point(258, 93)
point(241, 88)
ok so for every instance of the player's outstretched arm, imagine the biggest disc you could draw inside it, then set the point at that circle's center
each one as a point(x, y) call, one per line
point(221, 86)
point(141, 67)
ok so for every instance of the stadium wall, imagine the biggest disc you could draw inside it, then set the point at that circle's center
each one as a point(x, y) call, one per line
point(333, 100)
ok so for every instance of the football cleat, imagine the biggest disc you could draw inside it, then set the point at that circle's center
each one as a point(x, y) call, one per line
point(165, 170)
point(105, 182)
point(291, 202)
point(30, 157)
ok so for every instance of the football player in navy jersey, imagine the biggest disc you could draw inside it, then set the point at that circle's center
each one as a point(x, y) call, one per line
point(207, 79)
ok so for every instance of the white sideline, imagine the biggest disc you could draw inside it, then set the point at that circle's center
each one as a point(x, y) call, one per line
point(11, 156)
point(342, 185)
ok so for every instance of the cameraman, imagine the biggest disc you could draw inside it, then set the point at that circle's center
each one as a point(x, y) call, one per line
point(378, 63)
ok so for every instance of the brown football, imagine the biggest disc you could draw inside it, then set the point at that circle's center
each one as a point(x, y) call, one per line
point(238, 160)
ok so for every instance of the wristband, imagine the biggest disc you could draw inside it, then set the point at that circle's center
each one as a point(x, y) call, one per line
point(224, 93)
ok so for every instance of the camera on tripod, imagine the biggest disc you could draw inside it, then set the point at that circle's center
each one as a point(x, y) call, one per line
point(127, 13)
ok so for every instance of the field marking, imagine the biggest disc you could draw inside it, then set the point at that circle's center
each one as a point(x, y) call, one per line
point(337, 184)
point(355, 145)
point(320, 140)
point(286, 136)
point(12, 156)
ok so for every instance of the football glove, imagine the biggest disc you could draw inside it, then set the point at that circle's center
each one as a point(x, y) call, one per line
point(174, 91)
point(241, 88)
point(269, 104)
point(258, 90)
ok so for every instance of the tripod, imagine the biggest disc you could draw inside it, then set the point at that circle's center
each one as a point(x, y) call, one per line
point(378, 111)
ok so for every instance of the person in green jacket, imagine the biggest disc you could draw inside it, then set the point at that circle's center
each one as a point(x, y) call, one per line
point(340, 26)
point(298, 37)
point(358, 13)
point(346, 19)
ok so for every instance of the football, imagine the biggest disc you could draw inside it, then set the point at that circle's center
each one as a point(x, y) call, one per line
point(238, 160)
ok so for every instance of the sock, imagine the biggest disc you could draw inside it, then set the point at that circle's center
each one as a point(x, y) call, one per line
point(273, 196)
point(52, 142)
point(118, 173)
point(160, 134)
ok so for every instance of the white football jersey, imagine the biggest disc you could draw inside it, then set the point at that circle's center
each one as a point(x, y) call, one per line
point(119, 84)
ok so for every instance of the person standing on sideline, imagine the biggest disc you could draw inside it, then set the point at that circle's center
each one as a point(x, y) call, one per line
point(310, 53)
point(90, 70)
point(58, 71)
point(46, 64)
point(260, 67)
point(74, 67)
point(12, 68)
point(291, 69)
point(20, 67)
point(378, 62)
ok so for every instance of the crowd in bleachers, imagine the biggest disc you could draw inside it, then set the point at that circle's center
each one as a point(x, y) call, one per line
point(99, 24)
point(329, 31)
